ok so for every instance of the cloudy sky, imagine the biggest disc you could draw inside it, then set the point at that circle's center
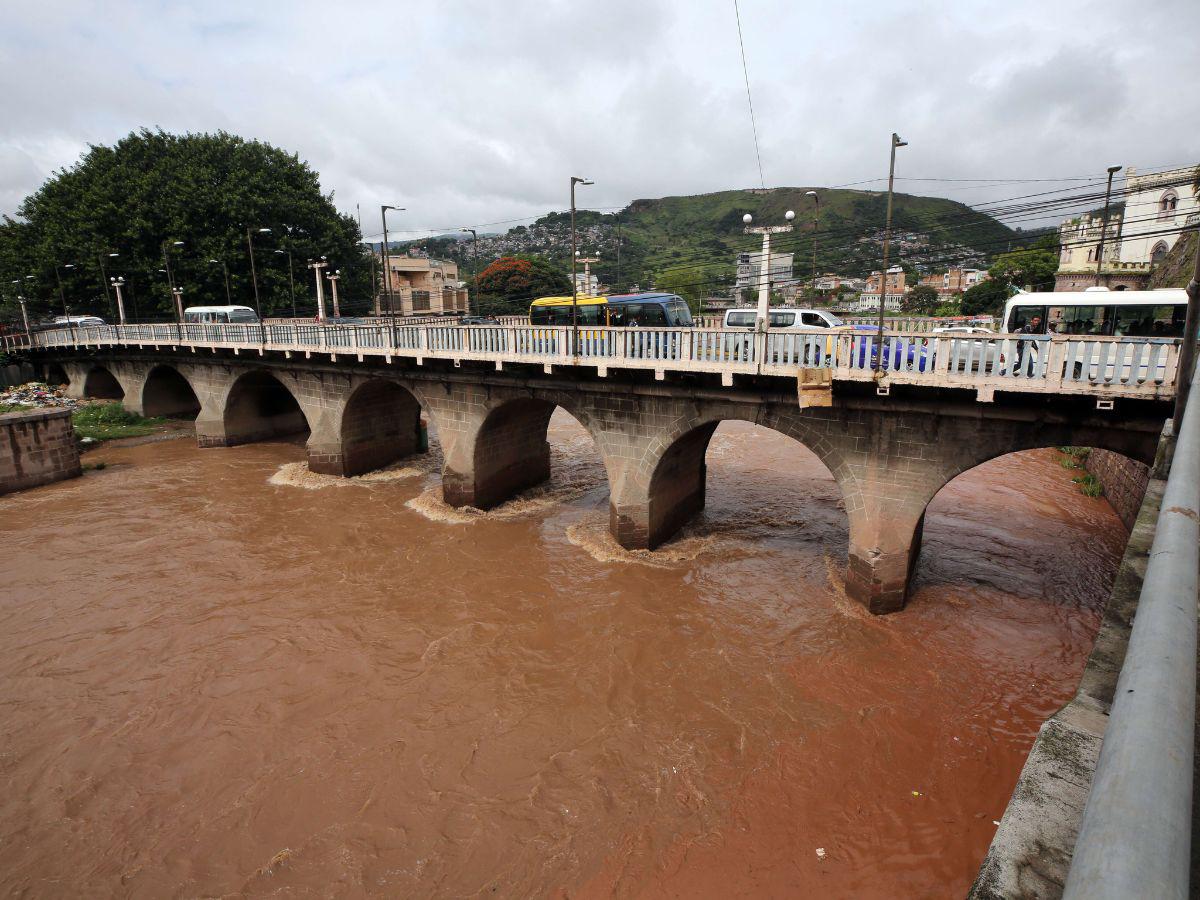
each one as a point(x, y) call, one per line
point(471, 113)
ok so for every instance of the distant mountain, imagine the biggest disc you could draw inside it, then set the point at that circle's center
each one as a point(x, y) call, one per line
point(704, 234)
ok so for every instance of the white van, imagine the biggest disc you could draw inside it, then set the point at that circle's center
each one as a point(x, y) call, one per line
point(80, 321)
point(783, 317)
point(220, 314)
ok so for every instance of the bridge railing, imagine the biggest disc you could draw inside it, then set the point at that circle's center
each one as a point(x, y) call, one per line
point(1136, 833)
point(1126, 366)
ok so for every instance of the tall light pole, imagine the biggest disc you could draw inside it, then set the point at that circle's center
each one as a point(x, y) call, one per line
point(225, 267)
point(21, 300)
point(887, 234)
point(475, 250)
point(334, 277)
point(292, 278)
point(62, 295)
point(117, 284)
point(104, 275)
point(317, 265)
point(574, 284)
point(253, 273)
point(387, 264)
point(816, 215)
point(175, 296)
point(762, 318)
point(1112, 170)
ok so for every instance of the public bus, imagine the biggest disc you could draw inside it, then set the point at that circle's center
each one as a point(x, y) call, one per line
point(1099, 311)
point(646, 310)
point(220, 314)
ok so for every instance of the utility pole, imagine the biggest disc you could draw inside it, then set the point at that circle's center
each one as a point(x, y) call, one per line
point(24, 314)
point(104, 277)
point(221, 263)
point(1187, 350)
point(887, 235)
point(117, 283)
point(574, 285)
point(334, 277)
point(292, 277)
point(387, 266)
point(1112, 170)
point(816, 214)
point(475, 248)
point(617, 286)
point(63, 297)
point(317, 265)
point(171, 278)
point(762, 318)
point(254, 279)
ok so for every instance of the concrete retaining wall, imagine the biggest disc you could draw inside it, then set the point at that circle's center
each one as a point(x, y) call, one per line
point(16, 373)
point(1124, 482)
point(36, 447)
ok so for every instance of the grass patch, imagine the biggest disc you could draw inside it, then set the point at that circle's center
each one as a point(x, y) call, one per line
point(109, 421)
point(94, 467)
point(12, 407)
point(1089, 485)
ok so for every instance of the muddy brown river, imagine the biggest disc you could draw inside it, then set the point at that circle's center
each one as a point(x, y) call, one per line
point(221, 675)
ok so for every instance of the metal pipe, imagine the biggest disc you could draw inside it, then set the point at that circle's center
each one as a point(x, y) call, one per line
point(1136, 835)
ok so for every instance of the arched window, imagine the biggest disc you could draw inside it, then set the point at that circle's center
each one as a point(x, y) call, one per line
point(1159, 251)
point(1167, 204)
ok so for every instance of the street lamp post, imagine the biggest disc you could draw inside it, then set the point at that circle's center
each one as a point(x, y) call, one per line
point(254, 274)
point(24, 313)
point(816, 215)
point(317, 265)
point(475, 249)
point(117, 283)
point(104, 275)
point(574, 284)
point(225, 267)
point(1112, 170)
point(62, 295)
point(175, 297)
point(387, 267)
point(887, 233)
point(334, 277)
point(762, 317)
point(292, 280)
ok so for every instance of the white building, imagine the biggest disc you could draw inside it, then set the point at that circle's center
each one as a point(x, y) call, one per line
point(1157, 207)
point(869, 302)
point(749, 271)
point(587, 284)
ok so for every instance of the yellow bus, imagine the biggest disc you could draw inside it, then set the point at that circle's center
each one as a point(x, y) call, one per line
point(648, 310)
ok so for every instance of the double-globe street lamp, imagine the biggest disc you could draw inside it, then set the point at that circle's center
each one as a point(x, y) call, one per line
point(762, 317)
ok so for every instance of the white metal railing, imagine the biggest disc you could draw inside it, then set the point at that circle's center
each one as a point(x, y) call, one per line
point(1101, 366)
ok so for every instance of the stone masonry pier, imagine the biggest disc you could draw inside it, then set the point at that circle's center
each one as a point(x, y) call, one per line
point(889, 454)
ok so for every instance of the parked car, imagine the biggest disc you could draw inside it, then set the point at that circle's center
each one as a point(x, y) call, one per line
point(79, 321)
point(478, 320)
point(343, 320)
point(782, 317)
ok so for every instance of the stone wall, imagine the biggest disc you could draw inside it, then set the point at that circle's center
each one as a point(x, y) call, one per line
point(1124, 482)
point(36, 447)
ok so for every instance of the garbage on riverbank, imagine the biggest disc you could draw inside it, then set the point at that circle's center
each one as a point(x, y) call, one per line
point(36, 395)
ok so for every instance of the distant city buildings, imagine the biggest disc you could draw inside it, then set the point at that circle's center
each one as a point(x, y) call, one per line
point(421, 286)
point(869, 298)
point(749, 271)
point(954, 280)
point(587, 284)
point(1157, 207)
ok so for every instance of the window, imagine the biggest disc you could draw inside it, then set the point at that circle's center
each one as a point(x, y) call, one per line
point(816, 320)
point(678, 313)
point(1167, 205)
point(243, 315)
point(740, 319)
point(783, 319)
point(1077, 319)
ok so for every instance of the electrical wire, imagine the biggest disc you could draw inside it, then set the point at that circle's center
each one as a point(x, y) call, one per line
point(750, 102)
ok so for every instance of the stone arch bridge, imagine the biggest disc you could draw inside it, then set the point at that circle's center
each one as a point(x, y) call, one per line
point(889, 454)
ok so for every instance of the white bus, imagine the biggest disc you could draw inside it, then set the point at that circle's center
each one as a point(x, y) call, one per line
point(220, 314)
point(1099, 311)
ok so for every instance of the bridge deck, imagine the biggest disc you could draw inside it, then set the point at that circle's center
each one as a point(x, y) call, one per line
point(1101, 367)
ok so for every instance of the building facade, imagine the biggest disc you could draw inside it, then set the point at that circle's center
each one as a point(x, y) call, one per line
point(421, 286)
point(955, 280)
point(1157, 207)
point(749, 271)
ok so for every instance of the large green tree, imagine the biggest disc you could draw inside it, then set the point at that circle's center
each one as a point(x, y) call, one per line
point(204, 190)
point(511, 283)
point(986, 297)
point(1032, 269)
point(922, 299)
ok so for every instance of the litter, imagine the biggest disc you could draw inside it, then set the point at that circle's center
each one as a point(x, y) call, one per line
point(37, 395)
point(820, 853)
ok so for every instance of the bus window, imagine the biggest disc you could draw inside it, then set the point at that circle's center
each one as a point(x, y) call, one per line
point(1149, 321)
point(1022, 314)
point(783, 319)
point(653, 315)
point(678, 314)
point(590, 314)
point(242, 315)
point(540, 315)
point(740, 319)
point(1077, 319)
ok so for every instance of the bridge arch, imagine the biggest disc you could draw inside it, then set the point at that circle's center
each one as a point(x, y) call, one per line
point(167, 392)
point(669, 485)
point(380, 422)
point(101, 384)
point(55, 374)
point(506, 453)
point(258, 407)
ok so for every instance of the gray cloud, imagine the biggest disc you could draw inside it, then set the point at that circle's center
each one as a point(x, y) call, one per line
point(467, 113)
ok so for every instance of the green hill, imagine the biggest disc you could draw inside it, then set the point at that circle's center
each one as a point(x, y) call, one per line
point(704, 233)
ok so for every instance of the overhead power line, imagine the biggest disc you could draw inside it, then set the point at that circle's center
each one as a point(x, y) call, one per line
point(750, 102)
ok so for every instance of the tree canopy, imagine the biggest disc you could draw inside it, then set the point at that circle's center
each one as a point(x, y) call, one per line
point(119, 206)
point(922, 299)
point(508, 285)
point(986, 297)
